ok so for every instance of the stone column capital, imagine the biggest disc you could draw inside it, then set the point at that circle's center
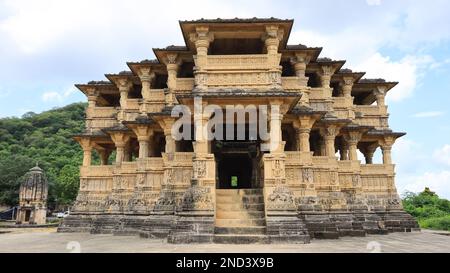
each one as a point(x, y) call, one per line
point(120, 139)
point(386, 142)
point(146, 74)
point(300, 58)
point(353, 137)
point(329, 131)
point(86, 143)
point(143, 132)
point(124, 85)
point(325, 74)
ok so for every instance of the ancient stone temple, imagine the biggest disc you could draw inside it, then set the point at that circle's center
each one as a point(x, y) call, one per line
point(33, 198)
point(308, 184)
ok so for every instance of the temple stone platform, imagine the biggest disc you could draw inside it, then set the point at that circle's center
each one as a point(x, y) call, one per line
point(47, 240)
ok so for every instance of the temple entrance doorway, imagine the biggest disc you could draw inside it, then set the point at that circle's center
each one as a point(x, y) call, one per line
point(27, 215)
point(237, 164)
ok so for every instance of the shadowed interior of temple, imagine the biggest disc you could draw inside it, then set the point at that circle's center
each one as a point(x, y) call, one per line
point(235, 171)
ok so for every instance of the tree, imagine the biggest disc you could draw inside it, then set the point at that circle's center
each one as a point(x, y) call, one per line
point(430, 210)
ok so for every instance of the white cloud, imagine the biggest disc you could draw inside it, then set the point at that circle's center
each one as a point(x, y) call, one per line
point(37, 25)
point(408, 72)
point(438, 182)
point(53, 96)
point(407, 153)
point(373, 2)
point(442, 155)
point(429, 114)
point(360, 48)
point(416, 168)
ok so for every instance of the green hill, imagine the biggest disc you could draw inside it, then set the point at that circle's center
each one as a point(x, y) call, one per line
point(43, 138)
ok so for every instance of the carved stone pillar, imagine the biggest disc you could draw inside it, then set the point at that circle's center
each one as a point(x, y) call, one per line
point(325, 76)
point(170, 141)
point(386, 147)
point(121, 140)
point(347, 86)
point(300, 62)
point(202, 39)
point(380, 94)
point(104, 156)
point(368, 152)
point(86, 145)
point(275, 118)
point(172, 64)
point(128, 152)
point(146, 77)
point(303, 129)
point(322, 147)
point(329, 135)
point(92, 95)
point(272, 39)
point(124, 87)
point(144, 134)
point(344, 150)
point(352, 138)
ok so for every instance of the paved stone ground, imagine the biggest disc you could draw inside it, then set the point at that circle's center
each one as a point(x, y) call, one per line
point(48, 240)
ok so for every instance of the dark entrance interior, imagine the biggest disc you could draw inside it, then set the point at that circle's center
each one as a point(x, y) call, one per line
point(27, 215)
point(237, 164)
point(235, 171)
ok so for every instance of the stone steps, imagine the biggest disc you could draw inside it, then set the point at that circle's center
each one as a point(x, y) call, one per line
point(238, 198)
point(240, 239)
point(232, 214)
point(240, 217)
point(239, 222)
point(249, 230)
point(239, 207)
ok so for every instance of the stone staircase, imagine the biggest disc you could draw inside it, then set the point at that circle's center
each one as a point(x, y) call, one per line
point(240, 217)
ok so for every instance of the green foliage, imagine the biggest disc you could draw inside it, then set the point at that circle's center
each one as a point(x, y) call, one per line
point(44, 138)
point(430, 210)
point(439, 223)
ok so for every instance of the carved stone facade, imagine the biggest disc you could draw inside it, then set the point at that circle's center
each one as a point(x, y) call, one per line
point(309, 183)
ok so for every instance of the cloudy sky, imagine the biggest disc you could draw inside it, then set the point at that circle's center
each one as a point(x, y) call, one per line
point(48, 46)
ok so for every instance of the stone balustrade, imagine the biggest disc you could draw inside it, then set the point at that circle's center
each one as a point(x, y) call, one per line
point(377, 122)
point(341, 102)
point(132, 104)
point(156, 95)
point(183, 157)
point(298, 158)
point(241, 62)
point(319, 93)
point(348, 165)
point(128, 167)
point(102, 112)
point(184, 85)
point(323, 161)
point(150, 163)
point(96, 184)
point(371, 110)
point(379, 169)
point(96, 171)
point(376, 184)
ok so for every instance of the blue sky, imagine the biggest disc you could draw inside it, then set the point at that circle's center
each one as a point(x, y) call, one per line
point(47, 46)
